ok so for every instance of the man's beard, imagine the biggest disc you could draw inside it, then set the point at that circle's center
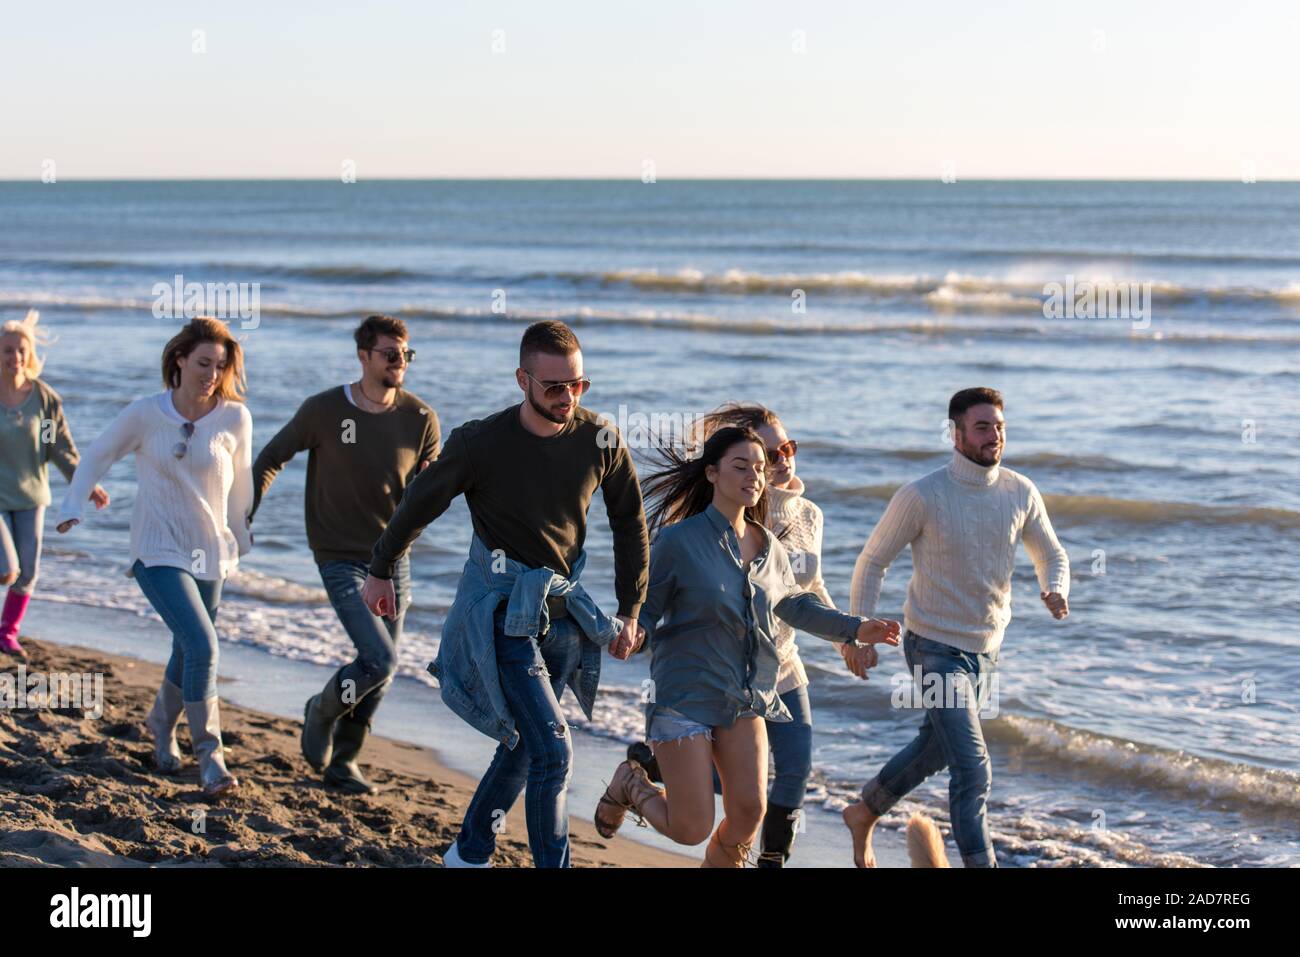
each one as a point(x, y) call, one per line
point(392, 380)
point(980, 456)
point(547, 413)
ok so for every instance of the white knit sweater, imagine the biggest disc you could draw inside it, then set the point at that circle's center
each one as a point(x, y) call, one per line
point(963, 522)
point(190, 512)
point(798, 523)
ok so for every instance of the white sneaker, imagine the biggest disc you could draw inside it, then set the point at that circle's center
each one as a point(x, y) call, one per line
point(453, 859)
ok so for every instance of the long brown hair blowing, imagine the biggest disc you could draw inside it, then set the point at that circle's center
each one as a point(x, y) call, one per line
point(680, 488)
point(232, 384)
point(745, 415)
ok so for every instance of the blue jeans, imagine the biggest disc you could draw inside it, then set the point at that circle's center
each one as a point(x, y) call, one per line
point(791, 744)
point(533, 673)
point(188, 606)
point(950, 737)
point(20, 546)
point(367, 677)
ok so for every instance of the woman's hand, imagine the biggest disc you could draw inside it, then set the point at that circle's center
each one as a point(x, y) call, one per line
point(99, 497)
point(64, 526)
point(859, 658)
point(879, 631)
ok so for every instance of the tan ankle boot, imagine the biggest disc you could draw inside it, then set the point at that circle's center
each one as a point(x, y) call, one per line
point(630, 789)
point(718, 854)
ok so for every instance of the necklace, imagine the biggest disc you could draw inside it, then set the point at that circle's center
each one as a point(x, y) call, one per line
point(382, 405)
point(15, 412)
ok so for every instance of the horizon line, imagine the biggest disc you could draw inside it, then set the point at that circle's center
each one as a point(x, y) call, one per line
point(636, 180)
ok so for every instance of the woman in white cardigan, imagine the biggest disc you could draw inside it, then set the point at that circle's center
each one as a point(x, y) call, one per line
point(189, 527)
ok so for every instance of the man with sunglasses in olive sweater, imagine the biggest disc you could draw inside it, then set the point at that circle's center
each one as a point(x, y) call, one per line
point(522, 626)
point(366, 441)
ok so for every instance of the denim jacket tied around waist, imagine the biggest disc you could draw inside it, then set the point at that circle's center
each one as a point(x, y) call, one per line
point(466, 665)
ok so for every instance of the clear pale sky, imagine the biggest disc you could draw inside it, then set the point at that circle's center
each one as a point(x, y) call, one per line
point(704, 89)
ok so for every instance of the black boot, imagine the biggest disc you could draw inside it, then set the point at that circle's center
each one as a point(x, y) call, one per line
point(318, 719)
point(349, 736)
point(778, 835)
point(640, 753)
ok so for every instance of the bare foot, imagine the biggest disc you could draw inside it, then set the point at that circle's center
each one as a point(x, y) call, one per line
point(861, 822)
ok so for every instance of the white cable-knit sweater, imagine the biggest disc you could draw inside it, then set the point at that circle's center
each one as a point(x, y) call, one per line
point(798, 523)
point(963, 522)
point(190, 512)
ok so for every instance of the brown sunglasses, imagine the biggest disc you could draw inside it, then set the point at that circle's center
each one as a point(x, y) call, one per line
point(553, 390)
point(785, 450)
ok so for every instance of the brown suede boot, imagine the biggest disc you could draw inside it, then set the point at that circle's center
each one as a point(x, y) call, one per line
point(718, 854)
point(630, 789)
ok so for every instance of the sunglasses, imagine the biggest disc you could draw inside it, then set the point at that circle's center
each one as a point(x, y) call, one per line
point(554, 390)
point(392, 355)
point(180, 448)
point(785, 450)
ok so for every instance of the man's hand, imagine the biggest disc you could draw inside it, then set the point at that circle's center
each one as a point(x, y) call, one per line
point(99, 497)
point(629, 639)
point(859, 658)
point(379, 596)
point(1056, 604)
point(879, 631)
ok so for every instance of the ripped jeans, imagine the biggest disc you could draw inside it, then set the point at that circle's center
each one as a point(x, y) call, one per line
point(533, 673)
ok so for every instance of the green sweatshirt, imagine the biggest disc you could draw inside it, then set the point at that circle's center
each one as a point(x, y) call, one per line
point(358, 467)
point(31, 436)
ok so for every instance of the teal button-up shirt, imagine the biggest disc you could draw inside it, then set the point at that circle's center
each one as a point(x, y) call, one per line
point(711, 624)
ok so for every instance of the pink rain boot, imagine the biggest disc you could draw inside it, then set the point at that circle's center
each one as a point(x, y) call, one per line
point(15, 607)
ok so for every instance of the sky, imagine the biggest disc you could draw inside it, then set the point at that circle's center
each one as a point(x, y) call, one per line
point(288, 89)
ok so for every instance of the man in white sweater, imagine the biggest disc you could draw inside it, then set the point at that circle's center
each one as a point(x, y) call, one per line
point(963, 522)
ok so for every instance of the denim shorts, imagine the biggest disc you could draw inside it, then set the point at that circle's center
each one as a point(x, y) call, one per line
point(669, 724)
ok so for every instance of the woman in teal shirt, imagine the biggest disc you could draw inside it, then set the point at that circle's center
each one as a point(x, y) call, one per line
point(719, 580)
point(33, 432)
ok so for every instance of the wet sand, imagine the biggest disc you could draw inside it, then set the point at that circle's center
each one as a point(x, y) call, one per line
point(80, 791)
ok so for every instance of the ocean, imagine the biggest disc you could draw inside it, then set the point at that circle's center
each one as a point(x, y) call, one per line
point(1156, 725)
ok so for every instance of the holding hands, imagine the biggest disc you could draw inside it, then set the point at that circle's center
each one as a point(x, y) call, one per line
point(629, 639)
point(861, 655)
point(879, 631)
point(859, 658)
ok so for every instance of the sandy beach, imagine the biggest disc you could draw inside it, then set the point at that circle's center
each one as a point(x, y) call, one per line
point(81, 792)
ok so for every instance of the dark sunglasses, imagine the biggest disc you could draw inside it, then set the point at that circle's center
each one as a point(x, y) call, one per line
point(785, 450)
point(554, 390)
point(392, 355)
point(180, 448)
